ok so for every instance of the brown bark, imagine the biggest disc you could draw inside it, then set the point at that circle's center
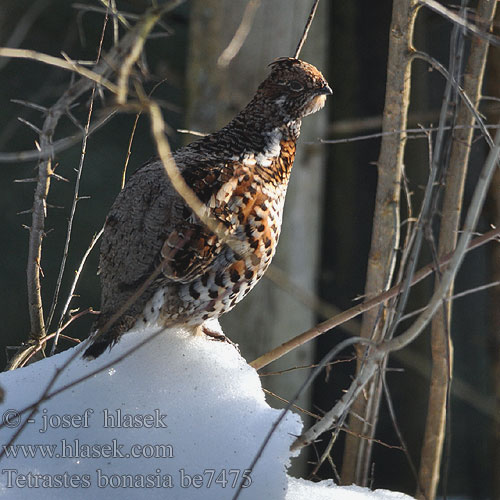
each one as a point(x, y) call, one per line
point(442, 356)
point(385, 237)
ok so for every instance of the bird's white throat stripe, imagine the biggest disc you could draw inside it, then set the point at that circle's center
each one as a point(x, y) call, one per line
point(264, 158)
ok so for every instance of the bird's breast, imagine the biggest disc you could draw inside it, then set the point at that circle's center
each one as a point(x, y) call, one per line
point(248, 201)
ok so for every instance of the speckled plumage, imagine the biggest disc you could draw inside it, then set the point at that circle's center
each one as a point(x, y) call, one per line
point(241, 173)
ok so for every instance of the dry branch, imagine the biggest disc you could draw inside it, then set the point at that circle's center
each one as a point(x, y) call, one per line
point(306, 29)
point(376, 355)
point(478, 31)
point(473, 213)
point(76, 197)
point(430, 462)
point(99, 74)
point(385, 236)
point(57, 146)
point(33, 55)
point(60, 326)
point(355, 311)
point(241, 34)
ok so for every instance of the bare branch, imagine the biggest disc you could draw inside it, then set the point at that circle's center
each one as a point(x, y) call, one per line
point(57, 146)
point(23, 26)
point(386, 225)
point(99, 74)
point(441, 341)
point(71, 293)
point(60, 63)
point(76, 195)
point(377, 355)
point(30, 125)
point(310, 379)
point(459, 295)
point(306, 29)
point(30, 105)
point(395, 424)
point(456, 19)
point(240, 35)
point(368, 369)
point(351, 313)
point(470, 223)
point(191, 132)
point(465, 98)
point(418, 133)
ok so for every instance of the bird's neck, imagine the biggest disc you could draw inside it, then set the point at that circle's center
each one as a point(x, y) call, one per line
point(260, 135)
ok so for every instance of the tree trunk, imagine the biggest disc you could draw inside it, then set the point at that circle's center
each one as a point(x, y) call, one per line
point(442, 354)
point(385, 236)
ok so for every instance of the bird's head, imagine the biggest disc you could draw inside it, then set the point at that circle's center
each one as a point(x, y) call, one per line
point(293, 89)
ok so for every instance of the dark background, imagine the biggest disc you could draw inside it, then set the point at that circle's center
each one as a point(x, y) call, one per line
point(357, 55)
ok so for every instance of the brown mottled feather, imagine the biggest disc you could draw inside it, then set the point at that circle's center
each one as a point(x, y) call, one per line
point(241, 173)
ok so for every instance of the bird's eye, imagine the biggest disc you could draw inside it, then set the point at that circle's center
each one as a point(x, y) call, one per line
point(296, 86)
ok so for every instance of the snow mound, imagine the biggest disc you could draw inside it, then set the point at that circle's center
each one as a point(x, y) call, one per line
point(182, 417)
point(299, 489)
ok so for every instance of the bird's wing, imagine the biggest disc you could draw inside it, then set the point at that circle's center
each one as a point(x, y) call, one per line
point(190, 248)
point(150, 224)
point(133, 234)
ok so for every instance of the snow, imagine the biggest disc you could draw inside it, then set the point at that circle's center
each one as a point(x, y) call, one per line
point(182, 417)
point(299, 489)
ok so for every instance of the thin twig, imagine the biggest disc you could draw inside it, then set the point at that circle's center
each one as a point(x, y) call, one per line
point(294, 406)
point(23, 26)
point(473, 213)
point(465, 98)
point(459, 295)
point(419, 133)
point(71, 293)
point(354, 311)
point(310, 379)
point(395, 424)
point(385, 239)
point(240, 35)
point(99, 74)
point(191, 132)
point(306, 29)
point(60, 63)
point(437, 426)
point(129, 148)
point(57, 146)
point(120, 15)
point(455, 18)
point(365, 374)
point(135, 50)
point(76, 195)
point(132, 134)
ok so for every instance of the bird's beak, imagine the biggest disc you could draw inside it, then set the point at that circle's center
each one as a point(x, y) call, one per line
point(325, 90)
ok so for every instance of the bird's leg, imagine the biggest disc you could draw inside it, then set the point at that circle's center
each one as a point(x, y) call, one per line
point(201, 330)
point(214, 335)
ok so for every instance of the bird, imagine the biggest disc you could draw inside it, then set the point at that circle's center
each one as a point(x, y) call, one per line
point(240, 174)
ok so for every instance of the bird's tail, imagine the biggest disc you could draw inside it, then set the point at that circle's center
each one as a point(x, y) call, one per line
point(97, 347)
point(106, 336)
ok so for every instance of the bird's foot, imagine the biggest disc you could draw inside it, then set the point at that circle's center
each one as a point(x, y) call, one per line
point(214, 335)
point(217, 336)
